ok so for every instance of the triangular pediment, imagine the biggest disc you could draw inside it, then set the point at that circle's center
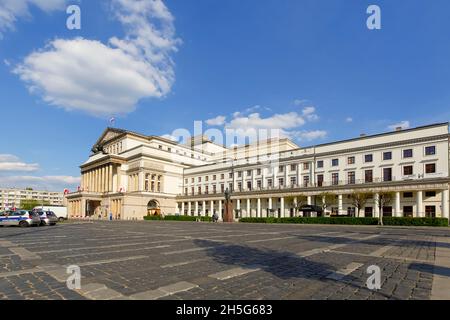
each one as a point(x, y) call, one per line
point(109, 134)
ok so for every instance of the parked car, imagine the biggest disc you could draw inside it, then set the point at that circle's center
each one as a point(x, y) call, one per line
point(61, 212)
point(21, 218)
point(48, 218)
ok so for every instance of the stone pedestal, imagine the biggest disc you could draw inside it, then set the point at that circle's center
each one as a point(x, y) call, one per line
point(228, 211)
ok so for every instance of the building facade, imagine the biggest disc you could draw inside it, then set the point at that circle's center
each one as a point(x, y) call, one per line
point(135, 175)
point(13, 198)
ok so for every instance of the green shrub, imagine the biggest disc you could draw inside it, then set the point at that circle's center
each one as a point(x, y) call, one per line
point(388, 221)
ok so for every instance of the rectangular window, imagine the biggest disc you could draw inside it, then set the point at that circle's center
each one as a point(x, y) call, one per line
point(387, 155)
point(350, 160)
point(368, 212)
point(408, 153)
point(293, 181)
point(281, 182)
point(334, 162)
point(320, 164)
point(408, 195)
point(320, 180)
point(214, 189)
point(269, 183)
point(199, 179)
point(199, 189)
point(306, 166)
point(240, 186)
point(387, 174)
point(430, 151)
point(430, 211)
point(368, 176)
point(259, 184)
point(222, 188)
point(249, 173)
point(430, 194)
point(408, 211)
point(240, 174)
point(207, 178)
point(306, 181)
point(258, 172)
point(335, 179)
point(280, 169)
point(249, 185)
point(351, 177)
point(430, 168)
point(230, 175)
point(222, 176)
point(368, 158)
point(206, 190)
point(293, 167)
point(408, 170)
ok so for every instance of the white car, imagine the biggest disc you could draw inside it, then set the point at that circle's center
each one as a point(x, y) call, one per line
point(60, 212)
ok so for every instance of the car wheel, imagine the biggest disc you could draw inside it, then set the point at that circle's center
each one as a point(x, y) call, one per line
point(42, 223)
point(23, 224)
point(61, 219)
point(53, 224)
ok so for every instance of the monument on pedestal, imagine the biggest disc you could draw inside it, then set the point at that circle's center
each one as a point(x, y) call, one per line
point(228, 212)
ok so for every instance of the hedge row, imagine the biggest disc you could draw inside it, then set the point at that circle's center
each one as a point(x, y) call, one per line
point(177, 218)
point(388, 221)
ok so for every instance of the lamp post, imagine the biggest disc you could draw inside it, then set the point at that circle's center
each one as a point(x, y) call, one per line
point(228, 213)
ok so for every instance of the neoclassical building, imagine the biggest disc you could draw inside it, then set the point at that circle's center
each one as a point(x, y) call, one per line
point(132, 175)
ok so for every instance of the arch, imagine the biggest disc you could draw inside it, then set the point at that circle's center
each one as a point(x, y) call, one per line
point(153, 208)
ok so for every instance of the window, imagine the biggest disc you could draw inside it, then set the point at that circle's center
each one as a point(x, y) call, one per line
point(185, 191)
point(249, 185)
point(430, 194)
point(387, 174)
point(169, 149)
point(407, 194)
point(280, 169)
point(320, 164)
point(230, 175)
point(222, 188)
point(335, 179)
point(368, 212)
point(368, 176)
point(259, 184)
point(192, 190)
point(293, 167)
point(408, 211)
point(430, 168)
point(430, 151)
point(430, 211)
point(207, 178)
point(408, 170)
point(387, 155)
point(214, 189)
point(293, 181)
point(258, 172)
point(306, 166)
point(214, 177)
point(249, 173)
point(368, 158)
point(192, 180)
point(239, 174)
point(222, 176)
point(334, 162)
point(351, 177)
point(160, 147)
point(350, 160)
point(320, 180)
point(408, 153)
point(306, 181)
point(281, 182)
point(269, 183)
point(206, 190)
point(240, 186)
point(199, 190)
point(199, 179)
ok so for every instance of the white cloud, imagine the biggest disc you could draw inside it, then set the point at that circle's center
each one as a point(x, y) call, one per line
point(309, 135)
point(9, 162)
point(217, 121)
point(403, 124)
point(349, 119)
point(277, 121)
point(51, 183)
point(300, 102)
point(108, 79)
point(12, 10)
point(310, 113)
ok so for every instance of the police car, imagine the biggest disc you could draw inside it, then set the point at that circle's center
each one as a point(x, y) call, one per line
point(21, 218)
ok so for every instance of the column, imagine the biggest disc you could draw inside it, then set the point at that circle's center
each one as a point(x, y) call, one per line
point(445, 205)
point(248, 213)
point(111, 178)
point(419, 204)
point(309, 200)
point(189, 208)
point(377, 208)
point(96, 180)
point(141, 181)
point(238, 207)
point(212, 208)
point(340, 204)
point(282, 207)
point(196, 209)
point(269, 209)
point(204, 208)
point(397, 205)
point(295, 206)
point(220, 210)
point(258, 212)
point(182, 208)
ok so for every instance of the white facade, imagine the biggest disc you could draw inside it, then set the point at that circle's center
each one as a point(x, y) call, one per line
point(136, 175)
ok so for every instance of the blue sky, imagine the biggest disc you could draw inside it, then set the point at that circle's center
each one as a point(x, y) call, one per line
point(309, 67)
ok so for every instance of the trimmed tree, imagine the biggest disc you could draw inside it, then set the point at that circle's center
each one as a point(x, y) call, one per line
point(328, 199)
point(359, 200)
point(383, 200)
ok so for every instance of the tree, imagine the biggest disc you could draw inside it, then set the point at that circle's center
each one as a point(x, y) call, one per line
point(328, 199)
point(383, 200)
point(301, 201)
point(30, 204)
point(359, 200)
